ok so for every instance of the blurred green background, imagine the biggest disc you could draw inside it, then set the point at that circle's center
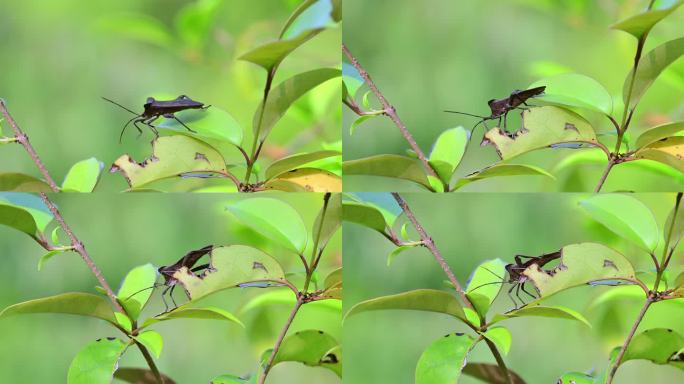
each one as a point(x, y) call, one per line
point(384, 346)
point(432, 55)
point(124, 231)
point(59, 58)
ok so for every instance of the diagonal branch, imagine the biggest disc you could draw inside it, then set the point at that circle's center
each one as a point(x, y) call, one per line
point(24, 141)
point(390, 111)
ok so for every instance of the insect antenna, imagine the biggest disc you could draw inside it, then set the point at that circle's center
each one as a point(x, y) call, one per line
point(467, 114)
point(490, 283)
point(115, 103)
point(144, 289)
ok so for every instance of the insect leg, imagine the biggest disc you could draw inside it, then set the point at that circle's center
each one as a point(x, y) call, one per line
point(126, 125)
point(517, 294)
point(166, 305)
point(515, 304)
point(172, 299)
point(183, 124)
point(148, 121)
point(522, 286)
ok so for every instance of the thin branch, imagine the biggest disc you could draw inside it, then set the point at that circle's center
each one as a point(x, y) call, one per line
point(21, 137)
point(80, 248)
point(279, 342)
point(390, 111)
point(430, 244)
point(623, 349)
point(150, 361)
point(604, 176)
point(499, 360)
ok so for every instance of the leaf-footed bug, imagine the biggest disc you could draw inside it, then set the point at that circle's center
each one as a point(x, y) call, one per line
point(153, 109)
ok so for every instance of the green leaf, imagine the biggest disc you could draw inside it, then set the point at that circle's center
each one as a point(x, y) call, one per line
point(668, 151)
point(285, 297)
point(650, 67)
point(232, 379)
point(360, 120)
point(124, 322)
point(270, 55)
point(332, 360)
point(658, 345)
point(331, 221)
point(193, 21)
point(274, 219)
point(580, 264)
point(291, 162)
point(485, 283)
point(306, 180)
point(153, 341)
point(206, 313)
point(285, 94)
point(96, 363)
point(306, 17)
point(131, 294)
point(396, 251)
point(442, 361)
point(172, 156)
point(231, 266)
point(678, 230)
point(334, 279)
point(626, 292)
point(429, 300)
point(139, 27)
point(500, 170)
point(72, 303)
point(24, 212)
point(641, 24)
point(83, 176)
point(140, 376)
point(399, 167)
point(501, 337)
point(212, 124)
point(311, 348)
point(448, 151)
point(49, 255)
point(626, 216)
point(575, 90)
point(366, 215)
point(556, 312)
point(659, 132)
point(576, 378)
point(544, 127)
point(19, 182)
point(491, 373)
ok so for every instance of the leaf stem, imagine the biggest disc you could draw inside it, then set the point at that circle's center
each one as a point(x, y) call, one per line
point(623, 349)
point(390, 111)
point(281, 337)
point(315, 255)
point(21, 137)
point(499, 360)
point(256, 148)
point(150, 361)
point(604, 176)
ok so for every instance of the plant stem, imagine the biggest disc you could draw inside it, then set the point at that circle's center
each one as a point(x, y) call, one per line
point(256, 147)
point(315, 254)
point(281, 337)
point(610, 165)
point(632, 331)
point(24, 141)
point(390, 111)
point(430, 244)
point(668, 249)
point(78, 246)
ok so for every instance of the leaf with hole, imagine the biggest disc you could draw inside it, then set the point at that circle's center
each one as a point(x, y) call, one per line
point(306, 180)
point(96, 363)
point(542, 127)
point(429, 300)
point(626, 216)
point(230, 266)
point(274, 219)
point(395, 166)
point(668, 151)
point(443, 360)
point(172, 156)
point(580, 264)
point(575, 91)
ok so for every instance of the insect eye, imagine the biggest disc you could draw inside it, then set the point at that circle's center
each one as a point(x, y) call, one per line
point(182, 97)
